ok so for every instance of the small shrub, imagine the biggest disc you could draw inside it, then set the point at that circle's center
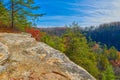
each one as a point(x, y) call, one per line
point(35, 33)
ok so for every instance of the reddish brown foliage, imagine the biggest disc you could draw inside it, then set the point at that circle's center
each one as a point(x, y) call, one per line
point(96, 47)
point(35, 33)
point(115, 63)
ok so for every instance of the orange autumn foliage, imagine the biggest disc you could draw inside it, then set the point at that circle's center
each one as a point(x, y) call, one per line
point(35, 33)
point(115, 62)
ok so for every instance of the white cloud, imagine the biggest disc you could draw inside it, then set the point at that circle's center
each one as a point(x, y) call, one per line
point(98, 11)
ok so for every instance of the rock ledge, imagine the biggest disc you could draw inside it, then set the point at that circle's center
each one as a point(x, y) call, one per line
point(23, 58)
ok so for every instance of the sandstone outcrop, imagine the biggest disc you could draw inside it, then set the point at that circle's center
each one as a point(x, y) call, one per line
point(23, 58)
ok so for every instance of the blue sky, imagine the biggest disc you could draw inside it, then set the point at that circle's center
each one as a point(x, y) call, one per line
point(85, 12)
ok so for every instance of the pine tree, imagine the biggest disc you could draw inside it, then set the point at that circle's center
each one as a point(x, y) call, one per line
point(4, 16)
point(77, 49)
point(21, 10)
point(112, 54)
point(109, 73)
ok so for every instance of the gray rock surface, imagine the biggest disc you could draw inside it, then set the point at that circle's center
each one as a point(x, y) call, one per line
point(23, 58)
point(3, 53)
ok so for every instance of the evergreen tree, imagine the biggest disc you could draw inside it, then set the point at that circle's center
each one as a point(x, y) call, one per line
point(77, 49)
point(112, 54)
point(102, 62)
point(4, 16)
point(109, 73)
point(54, 41)
point(20, 11)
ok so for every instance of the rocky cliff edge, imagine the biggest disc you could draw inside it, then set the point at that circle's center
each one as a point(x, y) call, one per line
point(23, 58)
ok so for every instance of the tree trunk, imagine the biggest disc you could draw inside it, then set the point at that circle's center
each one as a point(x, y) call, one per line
point(12, 14)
